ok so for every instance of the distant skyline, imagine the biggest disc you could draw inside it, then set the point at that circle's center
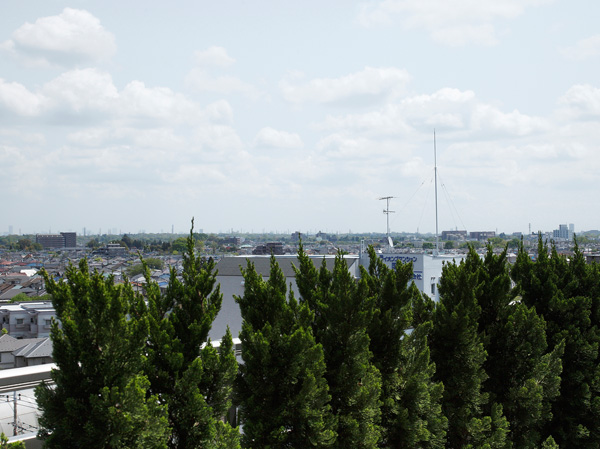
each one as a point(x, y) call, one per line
point(294, 116)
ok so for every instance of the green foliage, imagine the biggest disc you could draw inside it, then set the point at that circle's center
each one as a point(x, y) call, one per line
point(186, 372)
point(342, 313)
point(4, 444)
point(411, 401)
point(522, 375)
point(179, 245)
point(22, 297)
point(459, 353)
point(565, 292)
point(283, 395)
point(550, 443)
point(100, 397)
point(150, 262)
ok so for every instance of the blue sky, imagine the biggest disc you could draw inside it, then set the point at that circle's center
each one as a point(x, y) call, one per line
point(285, 116)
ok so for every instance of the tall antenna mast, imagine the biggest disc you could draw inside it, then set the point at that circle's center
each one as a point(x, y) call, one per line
point(387, 212)
point(437, 243)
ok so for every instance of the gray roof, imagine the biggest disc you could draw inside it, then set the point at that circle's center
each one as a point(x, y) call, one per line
point(41, 348)
point(10, 344)
point(230, 266)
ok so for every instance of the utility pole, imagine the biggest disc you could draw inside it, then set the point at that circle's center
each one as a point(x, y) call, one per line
point(16, 425)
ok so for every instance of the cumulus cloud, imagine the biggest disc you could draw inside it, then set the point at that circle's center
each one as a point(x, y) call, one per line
point(584, 49)
point(90, 95)
point(18, 99)
point(272, 138)
point(371, 83)
point(138, 100)
point(491, 120)
point(82, 90)
point(223, 139)
point(449, 23)
point(448, 109)
point(213, 57)
point(220, 112)
point(582, 100)
point(72, 37)
point(202, 79)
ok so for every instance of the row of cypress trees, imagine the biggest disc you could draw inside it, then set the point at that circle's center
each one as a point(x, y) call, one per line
point(507, 359)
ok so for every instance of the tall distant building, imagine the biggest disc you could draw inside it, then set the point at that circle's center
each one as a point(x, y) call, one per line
point(564, 232)
point(62, 240)
point(70, 239)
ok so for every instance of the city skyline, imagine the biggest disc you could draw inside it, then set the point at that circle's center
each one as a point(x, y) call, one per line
point(299, 116)
point(559, 230)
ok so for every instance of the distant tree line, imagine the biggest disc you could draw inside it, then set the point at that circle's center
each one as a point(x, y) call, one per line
point(507, 359)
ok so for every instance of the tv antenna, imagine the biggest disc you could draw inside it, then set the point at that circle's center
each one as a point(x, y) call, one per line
point(387, 212)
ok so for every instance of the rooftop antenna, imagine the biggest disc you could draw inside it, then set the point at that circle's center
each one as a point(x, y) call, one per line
point(387, 212)
point(437, 242)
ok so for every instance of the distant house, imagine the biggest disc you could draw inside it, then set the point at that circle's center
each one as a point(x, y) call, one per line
point(35, 353)
point(15, 353)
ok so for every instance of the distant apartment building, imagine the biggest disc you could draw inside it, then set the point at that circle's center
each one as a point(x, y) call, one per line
point(237, 241)
point(482, 235)
point(454, 235)
point(62, 240)
point(111, 250)
point(27, 319)
point(275, 248)
point(564, 232)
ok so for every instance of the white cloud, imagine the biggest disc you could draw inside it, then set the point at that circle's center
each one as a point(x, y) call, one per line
point(213, 57)
point(581, 100)
point(491, 120)
point(450, 23)
point(220, 112)
point(273, 138)
point(584, 49)
point(18, 99)
point(223, 139)
point(370, 83)
point(448, 109)
point(91, 95)
point(73, 36)
point(81, 90)
point(138, 101)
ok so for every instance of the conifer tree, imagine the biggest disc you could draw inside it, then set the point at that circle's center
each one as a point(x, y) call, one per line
point(100, 395)
point(343, 311)
point(411, 401)
point(565, 293)
point(281, 389)
point(459, 355)
point(522, 376)
point(186, 372)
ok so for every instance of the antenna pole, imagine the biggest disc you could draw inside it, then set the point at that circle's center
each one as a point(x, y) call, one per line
point(437, 243)
point(387, 212)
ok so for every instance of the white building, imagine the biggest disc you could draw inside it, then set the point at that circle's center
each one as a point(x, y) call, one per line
point(231, 284)
point(427, 270)
point(27, 319)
